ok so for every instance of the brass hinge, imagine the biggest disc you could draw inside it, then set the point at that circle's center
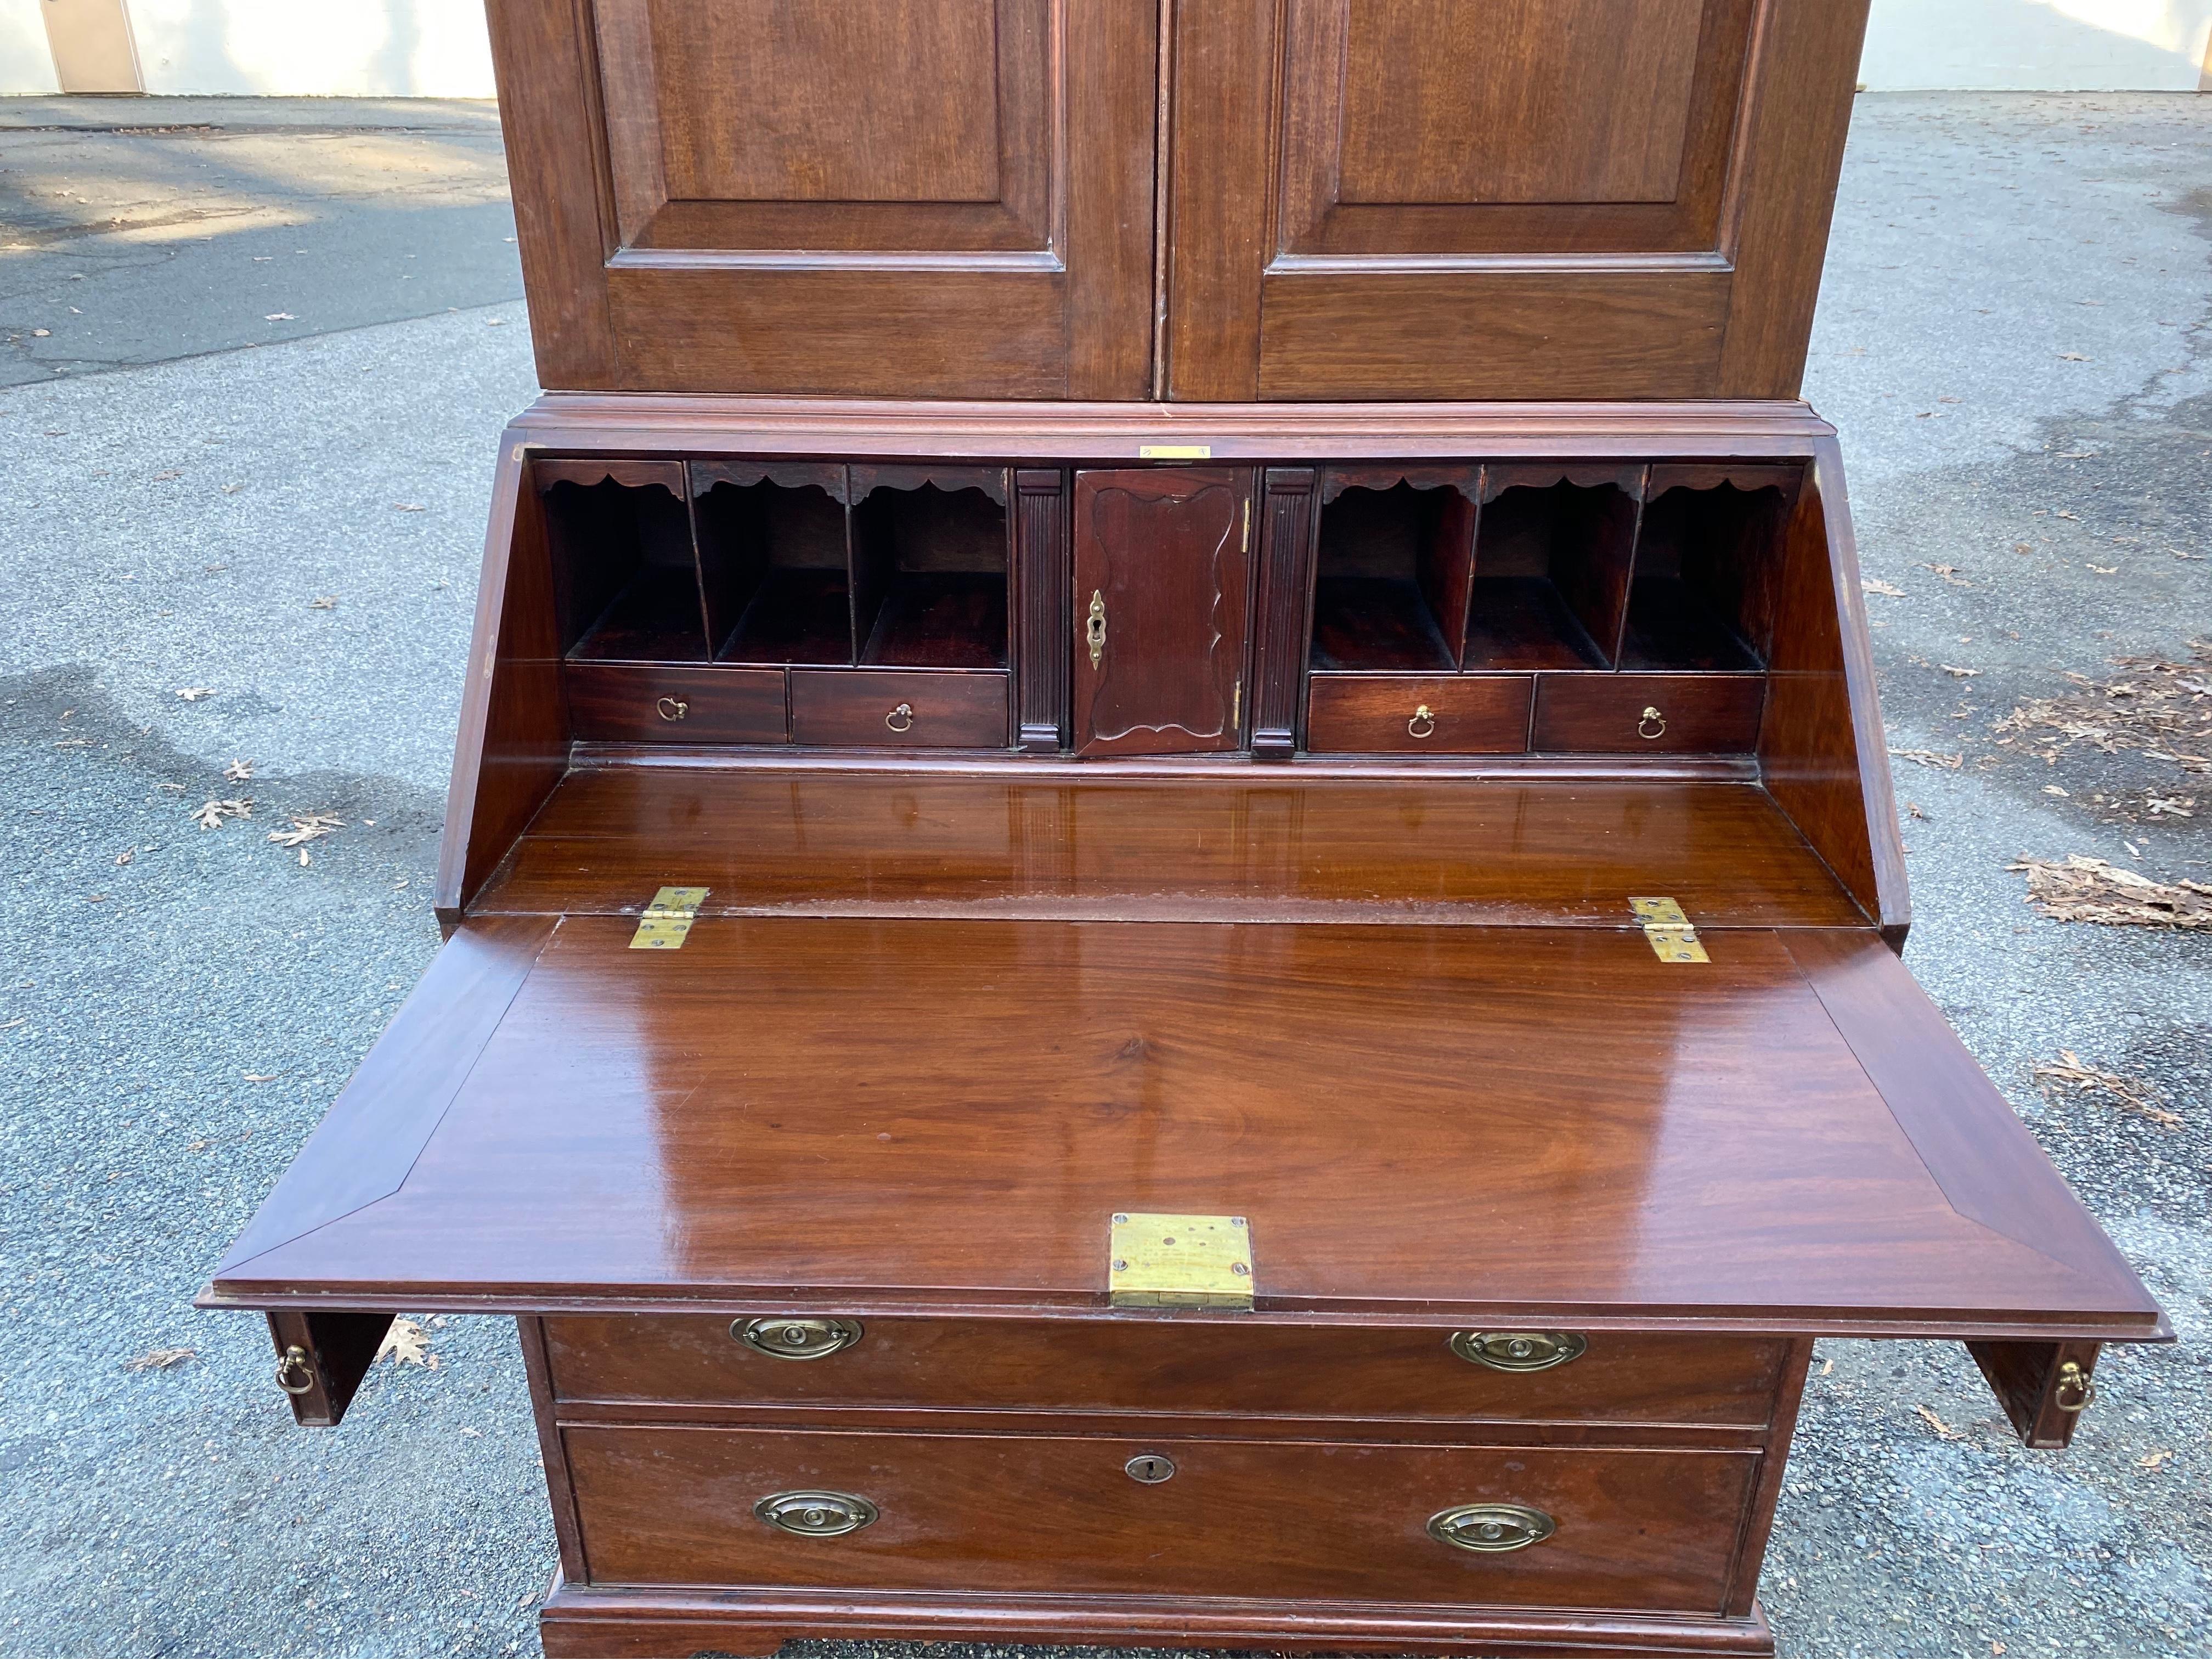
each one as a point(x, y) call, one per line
point(668, 919)
point(1673, 939)
point(1244, 538)
point(1179, 1262)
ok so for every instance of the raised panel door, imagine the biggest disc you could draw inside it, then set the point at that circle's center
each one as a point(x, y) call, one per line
point(1162, 581)
point(1502, 198)
point(911, 198)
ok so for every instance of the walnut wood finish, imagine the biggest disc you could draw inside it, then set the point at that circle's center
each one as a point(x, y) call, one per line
point(2044, 1403)
point(321, 1359)
point(1292, 845)
point(1480, 715)
point(643, 1126)
point(1041, 580)
point(1217, 1367)
point(899, 708)
point(1285, 610)
point(1163, 561)
point(1700, 713)
point(657, 703)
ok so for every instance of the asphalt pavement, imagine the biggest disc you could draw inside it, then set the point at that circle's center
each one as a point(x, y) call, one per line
point(257, 355)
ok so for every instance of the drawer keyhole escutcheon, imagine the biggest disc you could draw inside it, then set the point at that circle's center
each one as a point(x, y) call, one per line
point(1424, 723)
point(672, 708)
point(816, 1515)
point(901, 718)
point(1518, 1351)
point(1094, 629)
point(1653, 724)
point(295, 1373)
point(790, 1339)
point(1492, 1527)
point(1150, 1467)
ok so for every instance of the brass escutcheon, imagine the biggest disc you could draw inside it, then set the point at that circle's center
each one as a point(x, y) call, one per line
point(1094, 629)
point(816, 1515)
point(1423, 725)
point(672, 708)
point(295, 1360)
point(1518, 1351)
point(1492, 1527)
point(1653, 724)
point(1150, 1467)
point(901, 718)
point(2073, 1391)
point(787, 1338)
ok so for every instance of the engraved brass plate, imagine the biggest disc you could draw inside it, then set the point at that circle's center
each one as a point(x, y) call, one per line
point(787, 1338)
point(667, 921)
point(1174, 451)
point(816, 1515)
point(1671, 938)
point(1518, 1351)
point(1492, 1527)
point(1179, 1262)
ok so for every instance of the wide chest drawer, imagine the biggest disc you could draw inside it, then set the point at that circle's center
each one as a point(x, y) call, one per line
point(1166, 1366)
point(1537, 1527)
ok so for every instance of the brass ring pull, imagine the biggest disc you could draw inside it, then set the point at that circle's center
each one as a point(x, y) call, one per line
point(901, 718)
point(791, 1339)
point(1094, 627)
point(2074, 1392)
point(813, 1515)
point(672, 708)
point(1492, 1527)
point(1423, 725)
point(295, 1360)
point(1653, 724)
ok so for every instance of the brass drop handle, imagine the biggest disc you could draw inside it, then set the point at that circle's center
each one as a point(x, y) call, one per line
point(2074, 1392)
point(672, 708)
point(1653, 724)
point(787, 1338)
point(1423, 725)
point(295, 1364)
point(1491, 1528)
point(1518, 1351)
point(901, 718)
point(815, 1515)
point(1094, 629)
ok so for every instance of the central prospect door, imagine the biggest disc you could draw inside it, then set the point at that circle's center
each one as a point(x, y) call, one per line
point(1162, 579)
point(915, 199)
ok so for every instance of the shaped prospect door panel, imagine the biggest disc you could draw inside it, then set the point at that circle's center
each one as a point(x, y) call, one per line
point(1162, 578)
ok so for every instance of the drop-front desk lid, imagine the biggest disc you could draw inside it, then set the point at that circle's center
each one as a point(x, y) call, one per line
point(1421, 1122)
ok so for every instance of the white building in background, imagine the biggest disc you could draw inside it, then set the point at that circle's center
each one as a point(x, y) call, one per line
point(438, 48)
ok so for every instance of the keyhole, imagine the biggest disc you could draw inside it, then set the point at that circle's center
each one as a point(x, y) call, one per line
point(1150, 1467)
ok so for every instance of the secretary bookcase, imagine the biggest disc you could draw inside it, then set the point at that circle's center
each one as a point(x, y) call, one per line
point(1171, 897)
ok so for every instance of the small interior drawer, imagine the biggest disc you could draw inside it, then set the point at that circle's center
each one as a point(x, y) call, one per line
point(900, 708)
point(1641, 714)
point(1415, 713)
point(1144, 1366)
point(664, 704)
point(1596, 1528)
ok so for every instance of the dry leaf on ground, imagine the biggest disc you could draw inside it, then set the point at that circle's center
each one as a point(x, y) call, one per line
point(1930, 759)
point(237, 772)
point(193, 693)
point(2156, 1458)
point(323, 602)
point(160, 1360)
point(2134, 1095)
point(408, 1345)
point(2163, 709)
point(1938, 1425)
point(1956, 673)
point(1949, 574)
point(2081, 889)
point(312, 827)
point(212, 814)
point(1871, 584)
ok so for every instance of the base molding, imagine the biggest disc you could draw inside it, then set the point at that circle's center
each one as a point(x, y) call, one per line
point(620, 1622)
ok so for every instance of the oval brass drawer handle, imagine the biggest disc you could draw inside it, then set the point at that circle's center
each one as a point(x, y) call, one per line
point(1423, 725)
point(672, 709)
point(1518, 1351)
point(816, 1515)
point(789, 1339)
point(1492, 1527)
point(901, 718)
point(1652, 725)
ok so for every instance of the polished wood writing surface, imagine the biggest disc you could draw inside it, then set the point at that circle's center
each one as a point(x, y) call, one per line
point(1275, 848)
point(1702, 1144)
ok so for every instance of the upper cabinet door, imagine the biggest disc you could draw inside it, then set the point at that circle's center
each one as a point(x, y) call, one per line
point(904, 197)
point(1502, 198)
point(1162, 597)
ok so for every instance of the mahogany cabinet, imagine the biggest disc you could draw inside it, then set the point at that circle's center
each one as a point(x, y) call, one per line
point(1171, 893)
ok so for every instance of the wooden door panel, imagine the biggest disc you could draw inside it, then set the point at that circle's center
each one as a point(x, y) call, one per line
point(1163, 576)
point(904, 198)
point(1502, 198)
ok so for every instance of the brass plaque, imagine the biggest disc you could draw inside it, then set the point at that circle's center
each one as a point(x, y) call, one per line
point(1671, 938)
point(667, 921)
point(1158, 1262)
point(1174, 451)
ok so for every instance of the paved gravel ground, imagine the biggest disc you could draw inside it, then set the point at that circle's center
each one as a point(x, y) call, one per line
point(2011, 338)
